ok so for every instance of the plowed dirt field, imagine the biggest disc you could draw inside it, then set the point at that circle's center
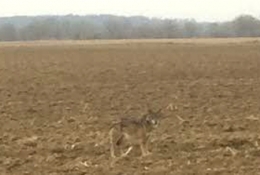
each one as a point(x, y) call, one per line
point(57, 102)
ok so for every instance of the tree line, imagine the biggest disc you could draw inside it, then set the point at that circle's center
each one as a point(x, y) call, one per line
point(73, 27)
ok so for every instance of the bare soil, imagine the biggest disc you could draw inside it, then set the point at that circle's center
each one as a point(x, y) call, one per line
point(57, 103)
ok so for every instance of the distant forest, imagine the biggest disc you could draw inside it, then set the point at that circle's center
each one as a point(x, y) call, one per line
point(73, 27)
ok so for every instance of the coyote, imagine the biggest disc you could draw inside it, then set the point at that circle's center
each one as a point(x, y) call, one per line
point(133, 131)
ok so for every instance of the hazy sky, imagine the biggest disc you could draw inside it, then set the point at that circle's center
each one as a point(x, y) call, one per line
point(201, 10)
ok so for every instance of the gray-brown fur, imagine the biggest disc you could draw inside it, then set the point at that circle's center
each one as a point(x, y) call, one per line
point(133, 131)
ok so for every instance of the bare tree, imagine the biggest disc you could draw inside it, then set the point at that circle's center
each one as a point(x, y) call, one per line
point(118, 27)
point(8, 32)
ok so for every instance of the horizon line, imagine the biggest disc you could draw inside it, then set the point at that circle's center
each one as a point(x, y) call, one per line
point(127, 16)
